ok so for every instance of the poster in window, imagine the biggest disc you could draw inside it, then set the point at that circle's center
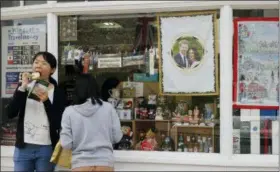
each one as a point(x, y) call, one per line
point(188, 60)
point(68, 28)
point(256, 63)
point(19, 45)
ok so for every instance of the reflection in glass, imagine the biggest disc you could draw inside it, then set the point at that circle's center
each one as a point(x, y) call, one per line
point(10, 3)
point(31, 2)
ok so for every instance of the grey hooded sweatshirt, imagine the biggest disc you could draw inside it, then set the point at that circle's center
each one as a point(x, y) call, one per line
point(89, 131)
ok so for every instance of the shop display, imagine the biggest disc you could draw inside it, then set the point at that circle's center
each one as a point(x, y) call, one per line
point(188, 54)
point(256, 63)
point(167, 143)
point(153, 122)
point(8, 136)
point(149, 143)
point(126, 141)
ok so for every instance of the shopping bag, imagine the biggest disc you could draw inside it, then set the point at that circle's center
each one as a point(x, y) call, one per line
point(61, 157)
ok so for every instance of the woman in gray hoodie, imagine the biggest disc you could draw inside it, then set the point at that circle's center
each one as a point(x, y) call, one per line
point(89, 128)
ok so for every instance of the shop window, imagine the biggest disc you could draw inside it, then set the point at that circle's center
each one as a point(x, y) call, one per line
point(70, 0)
point(256, 83)
point(31, 2)
point(21, 39)
point(117, 37)
point(10, 3)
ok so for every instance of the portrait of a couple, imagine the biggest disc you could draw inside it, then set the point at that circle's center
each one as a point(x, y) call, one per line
point(188, 56)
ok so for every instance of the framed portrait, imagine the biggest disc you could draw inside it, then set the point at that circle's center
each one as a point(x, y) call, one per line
point(256, 63)
point(188, 53)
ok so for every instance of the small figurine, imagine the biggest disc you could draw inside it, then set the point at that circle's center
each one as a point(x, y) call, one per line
point(140, 101)
point(176, 119)
point(167, 114)
point(151, 114)
point(196, 111)
point(211, 122)
point(181, 144)
point(208, 111)
point(152, 99)
point(196, 117)
point(142, 136)
point(126, 141)
point(161, 100)
point(159, 114)
point(186, 119)
point(190, 112)
point(143, 113)
point(128, 105)
point(168, 144)
point(150, 143)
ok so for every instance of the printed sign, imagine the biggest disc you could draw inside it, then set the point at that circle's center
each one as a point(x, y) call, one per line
point(110, 62)
point(19, 45)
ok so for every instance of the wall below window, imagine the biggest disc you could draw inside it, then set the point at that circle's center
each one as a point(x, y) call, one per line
point(168, 161)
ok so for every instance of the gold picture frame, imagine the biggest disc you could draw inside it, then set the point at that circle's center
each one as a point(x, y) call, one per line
point(216, 50)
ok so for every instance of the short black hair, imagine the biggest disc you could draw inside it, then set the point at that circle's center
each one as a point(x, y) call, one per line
point(49, 57)
point(86, 87)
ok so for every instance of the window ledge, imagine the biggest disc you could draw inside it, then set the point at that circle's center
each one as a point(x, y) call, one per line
point(201, 159)
point(204, 159)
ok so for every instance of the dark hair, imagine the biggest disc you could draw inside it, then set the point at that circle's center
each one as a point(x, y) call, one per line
point(108, 84)
point(196, 55)
point(49, 57)
point(86, 87)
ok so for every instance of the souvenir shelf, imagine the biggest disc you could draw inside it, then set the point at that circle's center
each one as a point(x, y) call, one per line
point(194, 138)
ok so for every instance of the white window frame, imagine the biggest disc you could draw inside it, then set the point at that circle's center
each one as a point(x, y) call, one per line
point(225, 158)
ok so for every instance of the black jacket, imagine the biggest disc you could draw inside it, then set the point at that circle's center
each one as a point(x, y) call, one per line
point(54, 112)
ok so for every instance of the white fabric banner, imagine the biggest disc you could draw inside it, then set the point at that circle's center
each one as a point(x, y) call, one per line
point(188, 57)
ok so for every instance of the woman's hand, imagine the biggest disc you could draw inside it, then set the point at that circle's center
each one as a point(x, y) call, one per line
point(25, 80)
point(42, 94)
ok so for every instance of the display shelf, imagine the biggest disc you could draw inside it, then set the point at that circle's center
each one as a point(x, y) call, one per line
point(193, 130)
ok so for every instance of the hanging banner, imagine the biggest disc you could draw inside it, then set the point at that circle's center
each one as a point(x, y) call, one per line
point(256, 62)
point(19, 45)
point(188, 60)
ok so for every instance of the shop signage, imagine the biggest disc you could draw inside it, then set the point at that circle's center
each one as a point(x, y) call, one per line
point(133, 60)
point(19, 45)
point(143, 77)
point(110, 62)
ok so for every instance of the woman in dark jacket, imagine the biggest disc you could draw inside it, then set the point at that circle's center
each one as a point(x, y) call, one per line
point(39, 120)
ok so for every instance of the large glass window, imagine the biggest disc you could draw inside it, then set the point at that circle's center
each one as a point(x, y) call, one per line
point(21, 39)
point(31, 2)
point(256, 82)
point(10, 3)
point(70, 0)
point(124, 40)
